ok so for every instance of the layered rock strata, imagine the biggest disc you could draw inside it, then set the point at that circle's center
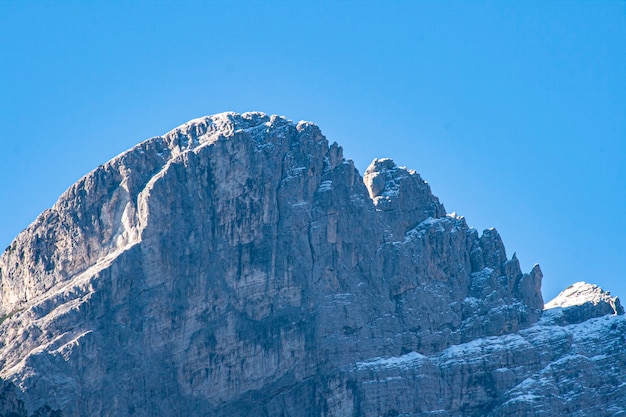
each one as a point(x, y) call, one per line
point(239, 265)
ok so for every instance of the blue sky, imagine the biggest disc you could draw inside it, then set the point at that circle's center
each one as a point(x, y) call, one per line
point(514, 112)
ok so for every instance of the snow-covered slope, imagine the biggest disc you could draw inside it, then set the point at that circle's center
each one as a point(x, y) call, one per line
point(547, 369)
point(581, 301)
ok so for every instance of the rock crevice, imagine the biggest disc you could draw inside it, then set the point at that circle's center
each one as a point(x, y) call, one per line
point(240, 265)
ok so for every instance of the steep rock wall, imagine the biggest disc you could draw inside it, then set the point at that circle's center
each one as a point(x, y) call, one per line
point(241, 263)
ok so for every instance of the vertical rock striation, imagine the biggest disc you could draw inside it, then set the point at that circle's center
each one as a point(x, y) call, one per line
point(239, 265)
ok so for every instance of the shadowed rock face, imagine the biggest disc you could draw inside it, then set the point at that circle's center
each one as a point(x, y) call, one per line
point(239, 265)
point(12, 406)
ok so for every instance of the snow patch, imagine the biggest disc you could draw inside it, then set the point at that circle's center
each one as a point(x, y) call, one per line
point(578, 294)
point(404, 361)
point(325, 186)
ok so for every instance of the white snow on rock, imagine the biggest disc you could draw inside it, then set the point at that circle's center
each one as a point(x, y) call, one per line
point(404, 361)
point(579, 294)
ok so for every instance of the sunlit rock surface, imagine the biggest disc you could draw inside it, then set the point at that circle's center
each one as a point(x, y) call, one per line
point(239, 265)
point(582, 301)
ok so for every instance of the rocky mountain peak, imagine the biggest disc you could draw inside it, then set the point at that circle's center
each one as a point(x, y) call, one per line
point(582, 301)
point(401, 194)
point(239, 265)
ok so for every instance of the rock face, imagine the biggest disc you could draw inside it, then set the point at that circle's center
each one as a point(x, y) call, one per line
point(239, 265)
point(582, 301)
point(12, 406)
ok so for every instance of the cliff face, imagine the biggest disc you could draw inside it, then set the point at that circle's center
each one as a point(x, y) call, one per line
point(239, 265)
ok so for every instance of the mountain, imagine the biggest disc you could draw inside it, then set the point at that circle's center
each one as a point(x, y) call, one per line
point(239, 265)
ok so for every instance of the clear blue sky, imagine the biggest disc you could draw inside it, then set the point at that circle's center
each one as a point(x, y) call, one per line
point(515, 112)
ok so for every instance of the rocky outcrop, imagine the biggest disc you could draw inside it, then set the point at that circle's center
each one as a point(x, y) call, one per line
point(239, 265)
point(12, 406)
point(580, 302)
point(545, 369)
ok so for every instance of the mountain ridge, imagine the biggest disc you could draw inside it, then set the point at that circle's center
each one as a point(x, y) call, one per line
point(240, 263)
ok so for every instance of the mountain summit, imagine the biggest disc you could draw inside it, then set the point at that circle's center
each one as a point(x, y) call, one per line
point(239, 265)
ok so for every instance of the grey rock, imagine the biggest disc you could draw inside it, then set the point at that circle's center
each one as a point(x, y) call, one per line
point(239, 265)
point(403, 198)
point(542, 370)
point(580, 302)
point(12, 406)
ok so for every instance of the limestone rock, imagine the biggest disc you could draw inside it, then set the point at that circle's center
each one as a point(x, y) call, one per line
point(404, 199)
point(239, 265)
point(582, 301)
point(542, 370)
point(12, 406)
